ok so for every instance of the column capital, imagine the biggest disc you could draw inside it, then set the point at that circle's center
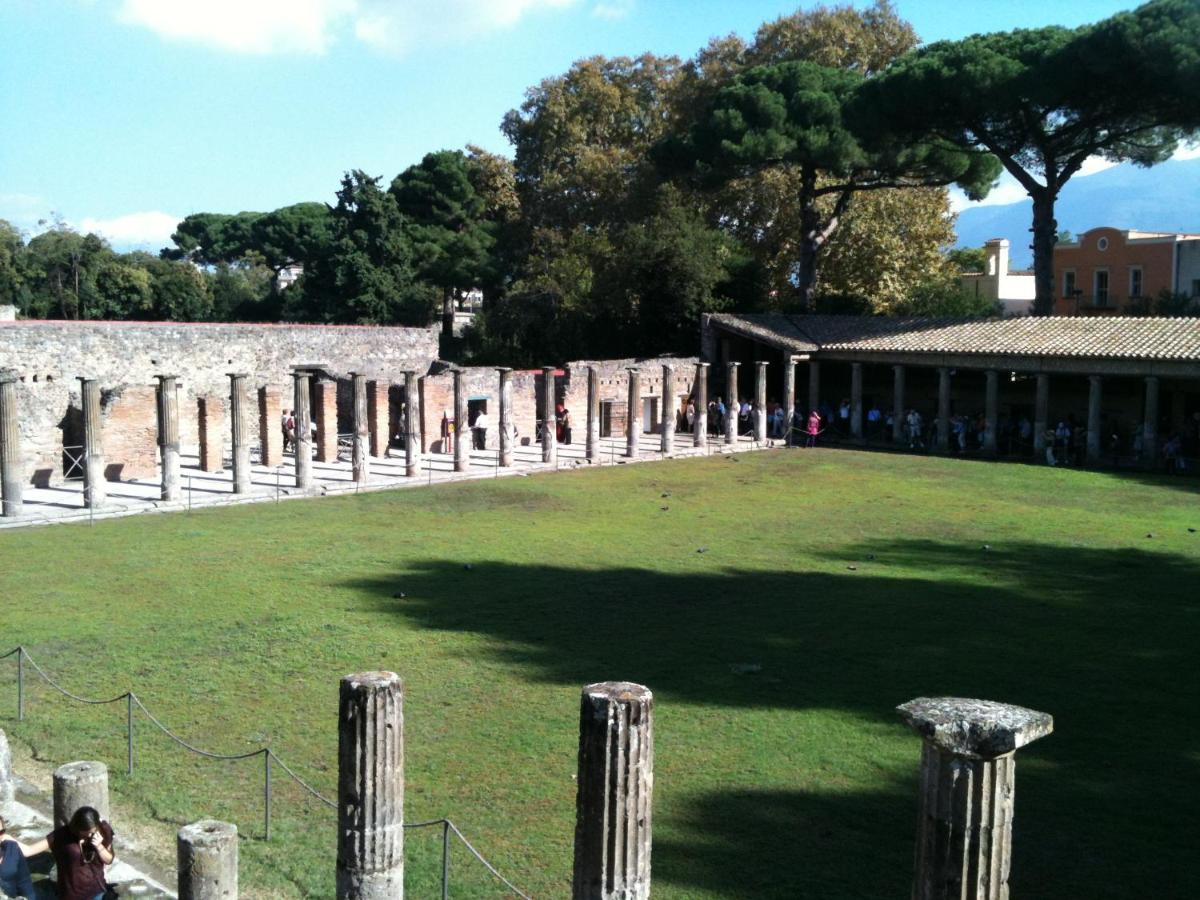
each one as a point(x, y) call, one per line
point(9, 376)
point(159, 377)
point(238, 374)
point(503, 370)
point(762, 362)
point(1150, 379)
point(547, 370)
point(703, 365)
point(85, 379)
point(1095, 379)
point(974, 729)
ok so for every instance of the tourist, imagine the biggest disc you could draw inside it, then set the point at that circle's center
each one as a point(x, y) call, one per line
point(81, 850)
point(915, 429)
point(744, 417)
point(447, 432)
point(480, 429)
point(844, 417)
point(813, 428)
point(874, 420)
point(564, 424)
point(15, 880)
point(720, 416)
point(289, 430)
point(689, 414)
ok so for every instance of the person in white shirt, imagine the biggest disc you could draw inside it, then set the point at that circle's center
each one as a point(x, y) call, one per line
point(480, 429)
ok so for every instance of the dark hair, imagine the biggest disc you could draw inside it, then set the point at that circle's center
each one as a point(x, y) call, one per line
point(85, 819)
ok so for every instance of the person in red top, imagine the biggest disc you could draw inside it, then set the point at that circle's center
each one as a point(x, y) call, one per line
point(81, 849)
point(813, 428)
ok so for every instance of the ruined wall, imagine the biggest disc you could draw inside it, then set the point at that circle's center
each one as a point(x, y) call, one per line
point(126, 357)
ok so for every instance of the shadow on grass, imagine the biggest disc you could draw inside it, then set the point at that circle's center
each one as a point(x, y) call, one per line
point(1104, 639)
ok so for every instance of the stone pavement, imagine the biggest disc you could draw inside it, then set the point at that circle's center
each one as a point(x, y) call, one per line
point(64, 502)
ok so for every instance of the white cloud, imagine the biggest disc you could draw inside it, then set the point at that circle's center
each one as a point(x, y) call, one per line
point(1094, 164)
point(134, 228)
point(1007, 190)
point(312, 26)
point(612, 9)
point(1187, 152)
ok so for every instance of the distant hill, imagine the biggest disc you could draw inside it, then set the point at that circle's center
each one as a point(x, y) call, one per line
point(1162, 198)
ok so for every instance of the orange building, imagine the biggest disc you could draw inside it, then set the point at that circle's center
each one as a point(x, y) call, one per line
point(1106, 271)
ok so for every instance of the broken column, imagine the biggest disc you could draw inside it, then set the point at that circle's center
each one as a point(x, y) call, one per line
point(991, 411)
point(207, 861)
point(370, 847)
point(964, 826)
point(239, 407)
point(302, 404)
point(412, 424)
point(327, 420)
point(731, 403)
point(633, 413)
point(94, 489)
point(379, 417)
point(593, 414)
point(211, 413)
point(1094, 437)
point(361, 449)
point(856, 401)
point(549, 435)
point(667, 431)
point(614, 793)
point(11, 462)
point(760, 402)
point(506, 414)
point(80, 784)
point(270, 426)
point(700, 390)
point(462, 430)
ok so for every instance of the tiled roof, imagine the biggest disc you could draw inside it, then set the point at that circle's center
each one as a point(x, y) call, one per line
point(1059, 336)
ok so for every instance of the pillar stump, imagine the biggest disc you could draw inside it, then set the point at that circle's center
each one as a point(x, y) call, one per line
point(11, 462)
point(549, 435)
point(207, 860)
point(270, 426)
point(667, 414)
point(361, 450)
point(633, 413)
point(95, 492)
point(239, 431)
point(412, 424)
point(80, 784)
point(370, 848)
point(593, 414)
point(760, 402)
point(964, 827)
point(462, 430)
point(302, 404)
point(614, 792)
point(506, 417)
point(700, 392)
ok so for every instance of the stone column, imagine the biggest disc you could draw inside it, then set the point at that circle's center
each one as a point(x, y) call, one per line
point(669, 408)
point(361, 458)
point(856, 412)
point(95, 493)
point(760, 402)
point(301, 403)
point(370, 847)
point(270, 426)
point(6, 776)
point(1150, 424)
point(1095, 441)
point(462, 431)
point(700, 391)
point(991, 411)
point(379, 424)
point(207, 861)
point(211, 413)
point(898, 411)
point(593, 414)
point(549, 434)
point(731, 402)
point(633, 413)
point(80, 784)
point(1041, 405)
point(789, 394)
point(412, 424)
point(814, 384)
point(11, 479)
point(943, 411)
point(239, 404)
point(327, 421)
point(613, 802)
point(506, 414)
point(964, 826)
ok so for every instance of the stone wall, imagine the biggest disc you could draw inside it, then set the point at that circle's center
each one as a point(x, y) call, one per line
point(126, 357)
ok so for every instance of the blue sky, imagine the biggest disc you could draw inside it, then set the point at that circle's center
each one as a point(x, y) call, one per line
point(123, 116)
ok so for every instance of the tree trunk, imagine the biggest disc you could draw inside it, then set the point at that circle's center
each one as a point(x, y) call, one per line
point(810, 241)
point(448, 312)
point(1045, 235)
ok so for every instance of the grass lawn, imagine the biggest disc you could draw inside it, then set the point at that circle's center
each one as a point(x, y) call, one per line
point(855, 581)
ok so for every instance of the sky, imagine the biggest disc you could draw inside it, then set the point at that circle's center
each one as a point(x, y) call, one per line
point(124, 116)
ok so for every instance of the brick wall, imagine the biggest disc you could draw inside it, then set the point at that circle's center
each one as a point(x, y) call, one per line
point(129, 438)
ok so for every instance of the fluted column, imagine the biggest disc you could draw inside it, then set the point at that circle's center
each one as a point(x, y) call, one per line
point(1150, 423)
point(549, 422)
point(731, 402)
point(462, 433)
point(361, 451)
point(506, 432)
point(302, 404)
point(991, 411)
point(239, 410)
point(760, 402)
point(943, 412)
point(370, 848)
point(789, 395)
point(593, 414)
point(1094, 437)
point(633, 413)
point(12, 481)
point(856, 401)
point(1041, 405)
point(898, 411)
point(667, 431)
point(95, 492)
point(814, 385)
point(700, 391)
point(967, 793)
point(412, 424)
point(615, 786)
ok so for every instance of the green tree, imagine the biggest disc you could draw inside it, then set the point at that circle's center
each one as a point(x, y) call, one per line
point(13, 289)
point(123, 291)
point(212, 238)
point(968, 259)
point(288, 236)
point(1045, 100)
point(61, 267)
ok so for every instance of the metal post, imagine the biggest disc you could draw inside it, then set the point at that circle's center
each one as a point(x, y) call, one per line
point(189, 493)
point(20, 684)
point(267, 793)
point(445, 859)
point(129, 729)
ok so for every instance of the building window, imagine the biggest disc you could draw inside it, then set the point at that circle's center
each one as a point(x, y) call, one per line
point(1102, 244)
point(1100, 283)
point(1135, 281)
point(1069, 284)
